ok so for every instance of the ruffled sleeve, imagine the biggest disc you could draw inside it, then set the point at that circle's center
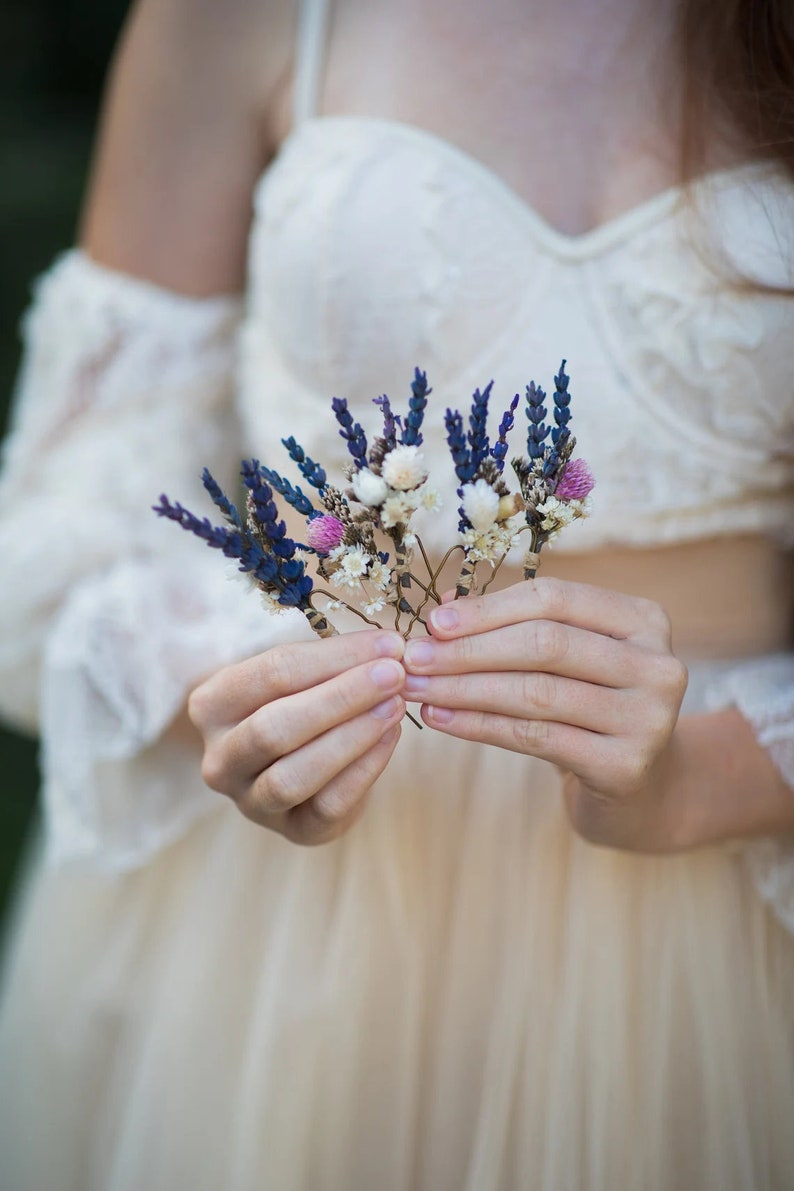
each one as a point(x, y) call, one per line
point(110, 615)
point(762, 689)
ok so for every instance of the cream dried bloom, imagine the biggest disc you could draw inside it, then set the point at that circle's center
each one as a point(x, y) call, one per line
point(480, 504)
point(395, 510)
point(404, 468)
point(369, 489)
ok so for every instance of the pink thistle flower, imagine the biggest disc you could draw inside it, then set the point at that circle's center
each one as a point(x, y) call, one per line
point(324, 533)
point(577, 481)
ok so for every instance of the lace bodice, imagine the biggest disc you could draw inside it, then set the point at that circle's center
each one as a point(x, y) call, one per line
point(683, 401)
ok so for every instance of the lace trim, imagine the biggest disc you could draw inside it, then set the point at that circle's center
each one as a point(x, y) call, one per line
point(763, 691)
point(124, 652)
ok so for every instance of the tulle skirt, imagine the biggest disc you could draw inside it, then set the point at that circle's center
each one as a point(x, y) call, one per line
point(458, 995)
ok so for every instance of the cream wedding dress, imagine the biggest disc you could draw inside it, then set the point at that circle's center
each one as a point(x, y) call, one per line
point(458, 994)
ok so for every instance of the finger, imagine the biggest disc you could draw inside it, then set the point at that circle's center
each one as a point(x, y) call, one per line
point(561, 744)
point(527, 695)
point(341, 803)
point(235, 758)
point(578, 604)
point(236, 692)
point(540, 645)
point(295, 778)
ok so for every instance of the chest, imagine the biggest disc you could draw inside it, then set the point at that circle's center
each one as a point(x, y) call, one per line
point(571, 104)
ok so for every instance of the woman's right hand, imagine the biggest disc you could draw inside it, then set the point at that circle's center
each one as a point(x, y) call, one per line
point(297, 735)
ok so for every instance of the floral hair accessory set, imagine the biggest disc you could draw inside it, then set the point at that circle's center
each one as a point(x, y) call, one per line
point(361, 535)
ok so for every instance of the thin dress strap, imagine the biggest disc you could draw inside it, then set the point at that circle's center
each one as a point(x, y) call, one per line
point(309, 58)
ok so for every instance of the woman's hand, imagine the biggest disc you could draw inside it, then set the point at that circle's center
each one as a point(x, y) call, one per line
point(580, 676)
point(297, 735)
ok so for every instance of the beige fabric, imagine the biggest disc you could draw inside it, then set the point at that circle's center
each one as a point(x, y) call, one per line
point(456, 995)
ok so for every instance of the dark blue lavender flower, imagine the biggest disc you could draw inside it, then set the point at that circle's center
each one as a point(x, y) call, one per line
point(311, 471)
point(478, 421)
point(562, 409)
point(499, 450)
point(465, 467)
point(292, 494)
point(537, 430)
point(250, 555)
point(391, 424)
point(412, 436)
point(350, 431)
point(218, 537)
point(220, 499)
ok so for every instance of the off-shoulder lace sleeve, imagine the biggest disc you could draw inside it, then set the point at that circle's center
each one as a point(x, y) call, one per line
point(763, 691)
point(110, 615)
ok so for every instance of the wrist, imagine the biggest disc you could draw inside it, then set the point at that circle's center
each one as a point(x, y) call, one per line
point(716, 783)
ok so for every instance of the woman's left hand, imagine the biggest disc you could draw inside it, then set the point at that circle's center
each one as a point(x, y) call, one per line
point(581, 676)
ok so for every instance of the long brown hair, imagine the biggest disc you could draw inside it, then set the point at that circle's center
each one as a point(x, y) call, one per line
point(738, 59)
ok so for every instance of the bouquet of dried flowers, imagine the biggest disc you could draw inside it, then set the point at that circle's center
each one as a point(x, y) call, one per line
point(386, 482)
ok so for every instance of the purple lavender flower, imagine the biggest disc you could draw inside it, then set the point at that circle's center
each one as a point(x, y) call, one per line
point(478, 419)
point(537, 430)
point(310, 470)
point(350, 431)
point(293, 495)
point(499, 450)
point(562, 408)
point(390, 423)
point(416, 410)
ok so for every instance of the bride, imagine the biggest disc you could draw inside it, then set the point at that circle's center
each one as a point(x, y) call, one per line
point(547, 942)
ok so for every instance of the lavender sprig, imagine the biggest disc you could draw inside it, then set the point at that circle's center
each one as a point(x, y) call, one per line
point(412, 436)
point(537, 430)
point(465, 466)
point(499, 449)
point(252, 558)
point(478, 419)
point(219, 498)
point(350, 431)
point(311, 471)
point(292, 494)
point(390, 423)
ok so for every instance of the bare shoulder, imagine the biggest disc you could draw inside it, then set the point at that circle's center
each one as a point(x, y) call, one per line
point(188, 124)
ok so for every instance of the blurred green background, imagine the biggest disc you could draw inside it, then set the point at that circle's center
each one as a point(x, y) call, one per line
point(53, 59)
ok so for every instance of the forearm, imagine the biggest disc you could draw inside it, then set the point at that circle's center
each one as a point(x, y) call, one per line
point(720, 784)
point(712, 783)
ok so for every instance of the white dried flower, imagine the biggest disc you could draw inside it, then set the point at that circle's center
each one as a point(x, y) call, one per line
point(352, 567)
point(333, 605)
point(404, 468)
point(488, 546)
point(395, 511)
point(480, 504)
point(369, 489)
point(429, 499)
point(377, 604)
point(379, 575)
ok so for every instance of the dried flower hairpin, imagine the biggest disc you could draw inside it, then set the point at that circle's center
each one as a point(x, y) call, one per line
point(387, 482)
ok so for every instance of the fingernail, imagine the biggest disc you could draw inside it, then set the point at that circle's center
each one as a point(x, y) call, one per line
point(391, 735)
point(444, 618)
point(415, 684)
point(419, 653)
point(387, 708)
point(386, 674)
point(389, 645)
point(440, 715)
